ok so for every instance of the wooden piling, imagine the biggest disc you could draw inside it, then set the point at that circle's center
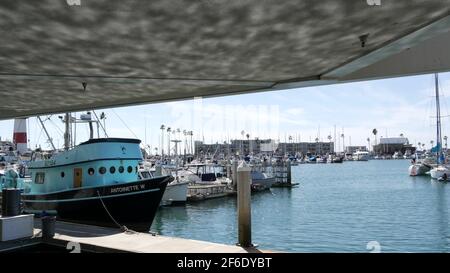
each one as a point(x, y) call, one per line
point(234, 167)
point(244, 205)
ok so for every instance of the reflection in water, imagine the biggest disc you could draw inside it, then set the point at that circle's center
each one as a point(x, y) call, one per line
point(336, 208)
point(166, 214)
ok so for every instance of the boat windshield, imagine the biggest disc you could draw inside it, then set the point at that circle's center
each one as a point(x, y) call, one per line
point(145, 174)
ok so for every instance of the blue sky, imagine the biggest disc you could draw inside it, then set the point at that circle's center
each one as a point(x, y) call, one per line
point(393, 106)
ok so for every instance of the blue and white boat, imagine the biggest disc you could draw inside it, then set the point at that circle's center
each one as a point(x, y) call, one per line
point(96, 182)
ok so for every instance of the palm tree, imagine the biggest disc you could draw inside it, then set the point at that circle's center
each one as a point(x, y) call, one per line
point(191, 145)
point(343, 143)
point(185, 140)
point(162, 139)
point(329, 140)
point(445, 139)
point(242, 142)
point(375, 132)
point(149, 149)
point(431, 142)
point(419, 144)
point(174, 133)
point(368, 141)
point(178, 137)
point(168, 142)
point(248, 140)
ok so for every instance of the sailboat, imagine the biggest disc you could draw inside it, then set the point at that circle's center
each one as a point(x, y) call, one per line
point(433, 166)
point(420, 168)
point(441, 171)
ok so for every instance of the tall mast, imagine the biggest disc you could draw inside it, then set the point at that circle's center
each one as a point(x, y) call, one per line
point(67, 132)
point(46, 133)
point(334, 140)
point(438, 118)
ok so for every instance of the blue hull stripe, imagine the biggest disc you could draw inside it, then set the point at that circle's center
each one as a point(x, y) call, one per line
point(86, 161)
point(89, 198)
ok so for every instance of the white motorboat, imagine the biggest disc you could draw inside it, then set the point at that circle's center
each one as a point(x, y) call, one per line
point(422, 166)
point(440, 172)
point(176, 191)
point(361, 156)
point(397, 155)
point(321, 159)
point(418, 169)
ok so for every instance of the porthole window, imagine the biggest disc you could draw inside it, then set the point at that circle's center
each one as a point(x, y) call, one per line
point(130, 169)
point(112, 169)
point(62, 174)
point(91, 171)
point(121, 169)
point(102, 170)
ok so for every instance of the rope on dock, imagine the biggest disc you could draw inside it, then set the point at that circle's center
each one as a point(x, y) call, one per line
point(121, 227)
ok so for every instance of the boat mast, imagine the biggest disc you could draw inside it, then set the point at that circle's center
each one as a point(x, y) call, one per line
point(46, 133)
point(67, 132)
point(438, 119)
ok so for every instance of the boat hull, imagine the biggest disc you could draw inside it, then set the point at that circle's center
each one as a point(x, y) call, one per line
point(175, 194)
point(130, 204)
point(418, 169)
point(361, 158)
point(437, 173)
point(198, 192)
point(336, 160)
point(262, 184)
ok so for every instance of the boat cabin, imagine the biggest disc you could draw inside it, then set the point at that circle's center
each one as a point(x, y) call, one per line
point(96, 162)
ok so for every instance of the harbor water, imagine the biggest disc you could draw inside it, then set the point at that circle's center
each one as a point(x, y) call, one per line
point(349, 207)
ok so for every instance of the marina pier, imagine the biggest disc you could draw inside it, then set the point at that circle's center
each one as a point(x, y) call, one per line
point(111, 240)
point(70, 237)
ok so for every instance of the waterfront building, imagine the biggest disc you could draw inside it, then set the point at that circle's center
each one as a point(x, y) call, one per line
point(263, 146)
point(390, 145)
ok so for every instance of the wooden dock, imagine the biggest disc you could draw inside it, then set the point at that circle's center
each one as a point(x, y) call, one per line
point(99, 239)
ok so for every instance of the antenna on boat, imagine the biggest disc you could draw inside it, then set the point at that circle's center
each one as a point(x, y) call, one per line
point(103, 126)
point(67, 132)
